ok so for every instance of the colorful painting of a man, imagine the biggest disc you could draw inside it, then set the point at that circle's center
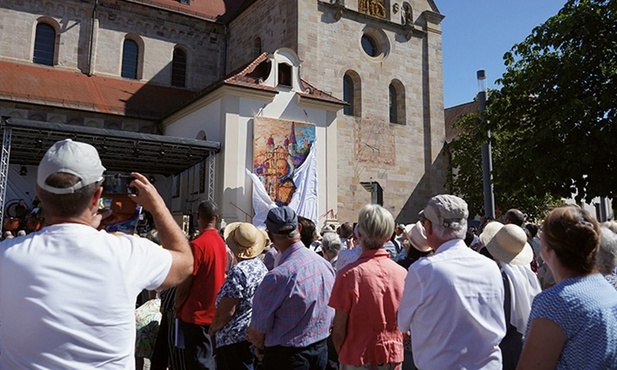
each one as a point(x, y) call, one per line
point(279, 148)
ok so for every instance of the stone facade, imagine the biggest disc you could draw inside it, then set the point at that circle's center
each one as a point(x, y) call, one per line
point(157, 31)
point(269, 24)
point(406, 159)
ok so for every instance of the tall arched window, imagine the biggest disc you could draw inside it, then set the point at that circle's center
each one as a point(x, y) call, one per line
point(178, 68)
point(130, 59)
point(44, 44)
point(393, 105)
point(396, 100)
point(257, 46)
point(348, 95)
point(352, 93)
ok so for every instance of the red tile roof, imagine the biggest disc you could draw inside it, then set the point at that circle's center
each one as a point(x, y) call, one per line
point(220, 10)
point(252, 75)
point(35, 84)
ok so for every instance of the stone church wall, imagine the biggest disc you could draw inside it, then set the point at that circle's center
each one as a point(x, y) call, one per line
point(404, 158)
point(269, 23)
point(158, 31)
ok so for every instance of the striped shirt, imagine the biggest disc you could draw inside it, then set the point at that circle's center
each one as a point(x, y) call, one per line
point(291, 304)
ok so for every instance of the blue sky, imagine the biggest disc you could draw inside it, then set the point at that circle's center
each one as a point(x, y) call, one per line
point(476, 34)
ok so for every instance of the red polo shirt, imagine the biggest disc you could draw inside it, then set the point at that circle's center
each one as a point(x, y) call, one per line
point(210, 257)
point(370, 291)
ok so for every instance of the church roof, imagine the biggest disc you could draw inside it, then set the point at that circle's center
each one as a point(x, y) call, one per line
point(41, 85)
point(219, 10)
point(252, 76)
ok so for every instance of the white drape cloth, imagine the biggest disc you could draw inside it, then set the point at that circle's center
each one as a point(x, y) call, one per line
point(524, 286)
point(304, 199)
point(261, 201)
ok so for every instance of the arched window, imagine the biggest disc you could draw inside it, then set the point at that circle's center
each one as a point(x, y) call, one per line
point(130, 59)
point(352, 94)
point(284, 74)
point(178, 68)
point(396, 92)
point(257, 46)
point(348, 95)
point(393, 104)
point(44, 44)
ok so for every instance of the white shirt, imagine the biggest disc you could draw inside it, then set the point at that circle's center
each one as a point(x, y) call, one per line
point(67, 297)
point(453, 305)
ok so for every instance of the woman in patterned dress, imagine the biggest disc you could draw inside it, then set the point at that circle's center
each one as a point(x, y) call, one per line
point(235, 299)
point(572, 324)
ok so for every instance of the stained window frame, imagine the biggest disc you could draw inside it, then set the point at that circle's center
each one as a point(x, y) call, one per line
point(38, 42)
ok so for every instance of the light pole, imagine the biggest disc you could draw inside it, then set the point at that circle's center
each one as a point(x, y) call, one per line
point(487, 160)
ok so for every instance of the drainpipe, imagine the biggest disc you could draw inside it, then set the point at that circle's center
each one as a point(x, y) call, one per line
point(91, 48)
point(226, 34)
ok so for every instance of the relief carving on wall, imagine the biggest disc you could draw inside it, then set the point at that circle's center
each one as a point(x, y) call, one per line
point(376, 8)
point(374, 142)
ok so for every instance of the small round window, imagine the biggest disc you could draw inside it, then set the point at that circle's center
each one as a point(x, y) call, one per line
point(369, 45)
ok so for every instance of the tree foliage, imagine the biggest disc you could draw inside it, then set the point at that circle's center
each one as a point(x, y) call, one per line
point(558, 103)
point(553, 120)
point(466, 170)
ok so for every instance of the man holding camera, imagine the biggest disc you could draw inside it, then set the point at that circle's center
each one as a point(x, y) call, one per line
point(68, 291)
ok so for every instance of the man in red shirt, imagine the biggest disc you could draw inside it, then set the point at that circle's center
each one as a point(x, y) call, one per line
point(196, 296)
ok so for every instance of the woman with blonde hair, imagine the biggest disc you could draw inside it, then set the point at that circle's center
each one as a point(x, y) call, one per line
point(572, 324)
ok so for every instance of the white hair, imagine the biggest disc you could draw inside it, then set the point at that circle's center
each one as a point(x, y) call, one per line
point(331, 243)
point(376, 226)
point(606, 259)
point(449, 233)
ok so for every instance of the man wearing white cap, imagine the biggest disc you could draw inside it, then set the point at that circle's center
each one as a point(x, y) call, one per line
point(68, 291)
point(453, 300)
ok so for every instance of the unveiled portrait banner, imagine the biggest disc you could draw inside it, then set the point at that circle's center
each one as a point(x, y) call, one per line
point(280, 147)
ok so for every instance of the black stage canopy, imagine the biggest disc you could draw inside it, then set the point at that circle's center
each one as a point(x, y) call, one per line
point(120, 151)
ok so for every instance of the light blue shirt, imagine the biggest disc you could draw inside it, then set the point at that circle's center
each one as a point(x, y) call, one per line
point(585, 308)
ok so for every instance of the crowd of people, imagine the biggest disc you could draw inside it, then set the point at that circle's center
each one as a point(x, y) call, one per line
point(369, 294)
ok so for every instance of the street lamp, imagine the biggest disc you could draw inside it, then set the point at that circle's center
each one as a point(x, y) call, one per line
point(487, 161)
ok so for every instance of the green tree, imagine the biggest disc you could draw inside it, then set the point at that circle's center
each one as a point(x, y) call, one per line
point(466, 173)
point(554, 117)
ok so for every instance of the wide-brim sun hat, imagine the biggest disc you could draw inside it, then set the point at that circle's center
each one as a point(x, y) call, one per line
point(417, 237)
point(509, 245)
point(245, 240)
point(489, 231)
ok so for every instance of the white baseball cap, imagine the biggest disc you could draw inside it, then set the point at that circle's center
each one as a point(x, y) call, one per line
point(76, 158)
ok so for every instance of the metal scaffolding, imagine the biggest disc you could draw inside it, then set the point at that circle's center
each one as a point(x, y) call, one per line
point(4, 167)
point(25, 142)
point(211, 175)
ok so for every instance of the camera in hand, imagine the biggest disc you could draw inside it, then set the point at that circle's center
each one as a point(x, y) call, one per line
point(119, 184)
point(132, 189)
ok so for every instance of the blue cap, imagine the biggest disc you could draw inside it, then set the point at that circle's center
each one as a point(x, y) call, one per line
point(281, 220)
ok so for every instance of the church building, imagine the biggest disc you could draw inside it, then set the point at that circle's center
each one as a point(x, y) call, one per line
point(326, 105)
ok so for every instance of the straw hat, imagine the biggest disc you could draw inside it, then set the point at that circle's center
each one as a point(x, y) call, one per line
point(510, 245)
point(417, 237)
point(245, 240)
point(489, 231)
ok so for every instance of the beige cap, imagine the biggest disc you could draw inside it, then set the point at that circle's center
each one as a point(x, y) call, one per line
point(446, 210)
